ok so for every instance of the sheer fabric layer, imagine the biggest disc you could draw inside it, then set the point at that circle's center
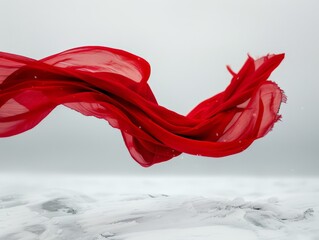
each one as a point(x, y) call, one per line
point(111, 84)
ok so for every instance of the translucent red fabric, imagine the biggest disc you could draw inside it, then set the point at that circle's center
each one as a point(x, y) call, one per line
point(111, 84)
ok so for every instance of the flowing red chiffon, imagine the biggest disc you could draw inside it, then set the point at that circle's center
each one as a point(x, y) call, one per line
point(111, 84)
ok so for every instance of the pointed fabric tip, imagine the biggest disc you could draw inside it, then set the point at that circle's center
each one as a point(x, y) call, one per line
point(230, 70)
point(111, 84)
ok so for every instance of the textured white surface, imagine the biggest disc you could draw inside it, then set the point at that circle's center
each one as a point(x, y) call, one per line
point(130, 208)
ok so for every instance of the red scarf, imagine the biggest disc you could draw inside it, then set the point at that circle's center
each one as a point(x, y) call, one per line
point(111, 84)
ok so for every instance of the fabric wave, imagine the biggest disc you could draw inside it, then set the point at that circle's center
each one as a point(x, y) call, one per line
point(111, 84)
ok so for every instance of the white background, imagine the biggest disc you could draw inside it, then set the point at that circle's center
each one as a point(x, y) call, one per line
point(188, 44)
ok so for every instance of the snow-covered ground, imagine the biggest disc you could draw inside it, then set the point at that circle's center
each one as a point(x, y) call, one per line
point(54, 207)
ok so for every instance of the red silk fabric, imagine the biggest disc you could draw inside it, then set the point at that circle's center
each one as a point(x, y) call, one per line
point(111, 84)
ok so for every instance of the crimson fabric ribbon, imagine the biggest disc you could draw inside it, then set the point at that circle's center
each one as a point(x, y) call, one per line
point(111, 84)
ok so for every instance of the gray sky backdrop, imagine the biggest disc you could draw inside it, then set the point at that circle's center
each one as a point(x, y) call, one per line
point(188, 44)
